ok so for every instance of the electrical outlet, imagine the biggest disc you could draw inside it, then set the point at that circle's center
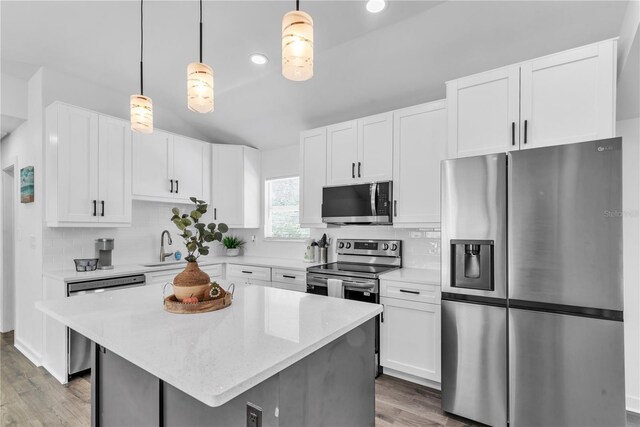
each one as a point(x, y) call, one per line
point(253, 238)
point(254, 415)
point(417, 235)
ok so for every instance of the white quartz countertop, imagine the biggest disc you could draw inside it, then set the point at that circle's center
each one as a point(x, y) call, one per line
point(213, 356)
point(414, 275)
point(70, 274)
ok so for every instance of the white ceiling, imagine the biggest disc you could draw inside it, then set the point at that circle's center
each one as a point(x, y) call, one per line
point(364, 63)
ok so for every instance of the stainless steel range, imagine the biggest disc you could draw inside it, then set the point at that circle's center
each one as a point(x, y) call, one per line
point(356, 273)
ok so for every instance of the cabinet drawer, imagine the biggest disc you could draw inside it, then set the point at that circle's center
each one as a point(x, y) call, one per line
point(248, 272)
point(294, 277)
point(410, 291)
point(214, 271)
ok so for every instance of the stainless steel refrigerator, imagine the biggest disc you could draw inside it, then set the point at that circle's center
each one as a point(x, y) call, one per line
point(532, 321)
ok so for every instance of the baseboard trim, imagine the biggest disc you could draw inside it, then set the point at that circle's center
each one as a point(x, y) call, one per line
point(61, 377)
point(27, 352)
point(633, 404)
point(411, 378)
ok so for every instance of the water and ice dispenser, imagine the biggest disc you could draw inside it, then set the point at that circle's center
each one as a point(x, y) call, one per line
point(472, 264)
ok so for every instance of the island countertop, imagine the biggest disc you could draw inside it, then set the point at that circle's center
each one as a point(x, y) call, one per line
point(213, 356)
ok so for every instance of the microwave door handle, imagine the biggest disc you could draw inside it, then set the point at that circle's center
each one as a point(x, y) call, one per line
point(374, 190)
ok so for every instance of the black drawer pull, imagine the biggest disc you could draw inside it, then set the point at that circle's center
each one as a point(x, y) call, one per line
point(288, 276)
point(248, 272)
point(409, 292)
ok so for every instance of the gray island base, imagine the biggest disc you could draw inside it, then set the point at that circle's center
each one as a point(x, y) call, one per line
point(333, 386)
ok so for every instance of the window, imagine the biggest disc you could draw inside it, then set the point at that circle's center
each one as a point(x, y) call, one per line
point(282, 201)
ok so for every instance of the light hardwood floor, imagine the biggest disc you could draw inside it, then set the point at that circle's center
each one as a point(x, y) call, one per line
point(29, 396)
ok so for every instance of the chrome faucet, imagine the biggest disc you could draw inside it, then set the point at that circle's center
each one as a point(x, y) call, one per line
point(163, 255)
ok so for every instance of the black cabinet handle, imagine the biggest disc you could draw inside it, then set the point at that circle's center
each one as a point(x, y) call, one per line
point(95, 208)
point(395, 208)
point(525, 131)
point(102, 207)
point(359, 164)
point(353, 170)
point(409, 292)
point(513, 133)
point(382, 315)
point(288, 276)
point(215, 213)
point(177, 186)
point(248, 272)
point(171, 191)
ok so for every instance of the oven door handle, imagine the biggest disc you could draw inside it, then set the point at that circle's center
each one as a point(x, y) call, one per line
point(373, 190)
point(356, 284)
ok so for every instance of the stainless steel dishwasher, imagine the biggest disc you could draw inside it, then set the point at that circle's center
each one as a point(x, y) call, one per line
point(79, 347)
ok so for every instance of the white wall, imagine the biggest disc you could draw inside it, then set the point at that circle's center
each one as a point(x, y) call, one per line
point(284, 162)
point(26, 144)
point(630, 132)
point(13, 102)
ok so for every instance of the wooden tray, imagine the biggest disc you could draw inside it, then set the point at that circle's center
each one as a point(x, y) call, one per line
point(172, 305)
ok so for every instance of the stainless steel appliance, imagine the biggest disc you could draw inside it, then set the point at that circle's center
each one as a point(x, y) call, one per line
point(104, 249)
point(79, 347)
point(532, 330)
point(359, 266)
point(358, 204)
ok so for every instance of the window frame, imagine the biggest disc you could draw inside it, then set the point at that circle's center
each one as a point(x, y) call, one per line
point(267, 211)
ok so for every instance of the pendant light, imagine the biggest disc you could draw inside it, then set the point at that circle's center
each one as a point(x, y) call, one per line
point(141, 106)
point(200, 82)
point(297, 45)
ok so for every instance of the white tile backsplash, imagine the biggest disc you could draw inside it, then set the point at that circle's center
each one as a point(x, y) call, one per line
point(139, 243)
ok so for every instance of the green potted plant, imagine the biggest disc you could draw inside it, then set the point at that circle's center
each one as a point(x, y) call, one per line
point(233, 245)
point(193, 282)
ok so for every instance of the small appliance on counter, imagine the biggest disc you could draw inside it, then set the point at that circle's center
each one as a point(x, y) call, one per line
point(104, 248)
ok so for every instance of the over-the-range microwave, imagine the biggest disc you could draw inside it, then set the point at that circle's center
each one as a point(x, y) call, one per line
point(365, 204)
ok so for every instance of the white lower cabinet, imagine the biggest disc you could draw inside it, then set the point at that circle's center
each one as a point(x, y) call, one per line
point(249, 274)
point(410, 333)
point(293, 280)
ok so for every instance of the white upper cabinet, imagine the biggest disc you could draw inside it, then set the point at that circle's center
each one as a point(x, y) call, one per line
point(484, 112)
point(235, 186)
point(557, 99)
point(152, 165)
point(569, 97)
point(313, 176)
point(190, 168)
point(360, 150)
point(375, 148)
point(88, 168)
point(419, 144)
point(342, 153)
point(168, 167)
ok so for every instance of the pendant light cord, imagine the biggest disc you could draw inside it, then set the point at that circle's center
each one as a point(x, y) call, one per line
point(141, 47)
point(201, 31)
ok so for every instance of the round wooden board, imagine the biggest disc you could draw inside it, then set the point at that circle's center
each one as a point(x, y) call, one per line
point(172, 305)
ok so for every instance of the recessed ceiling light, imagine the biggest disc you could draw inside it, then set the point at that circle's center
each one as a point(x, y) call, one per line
point(375, 6)
point(258, 58)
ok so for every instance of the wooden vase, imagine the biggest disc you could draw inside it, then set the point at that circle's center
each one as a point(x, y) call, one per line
point(191, 282)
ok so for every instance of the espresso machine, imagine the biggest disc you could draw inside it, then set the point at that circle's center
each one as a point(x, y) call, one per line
point(104, 248)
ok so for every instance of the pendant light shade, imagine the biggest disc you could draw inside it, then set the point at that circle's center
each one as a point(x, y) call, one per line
point(141, 114)
point(297, 45)
point(200, 87)
point(140, 105)
point(200, 82)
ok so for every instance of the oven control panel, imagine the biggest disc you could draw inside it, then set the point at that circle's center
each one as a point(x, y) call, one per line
point(389, 248)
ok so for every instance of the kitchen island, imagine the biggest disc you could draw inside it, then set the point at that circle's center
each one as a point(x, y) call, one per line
point(290, 358)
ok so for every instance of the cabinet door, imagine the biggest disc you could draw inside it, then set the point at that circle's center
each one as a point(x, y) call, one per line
point(114, 167)
point(152, 165)
point(227, 184)
point(188, 168)
point(342, 153)
point(420, 143)
point(375, 148)
point(569, 97)
point(313, 176)
point(77, 164)
point(410, 338)
point(484, 113)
